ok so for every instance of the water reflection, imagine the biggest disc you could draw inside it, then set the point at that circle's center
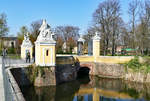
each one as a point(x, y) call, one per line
point(89, 89)
point(86, 97)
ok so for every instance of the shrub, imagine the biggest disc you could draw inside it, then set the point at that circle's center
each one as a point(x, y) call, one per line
point(135, 65)
point(11, 50)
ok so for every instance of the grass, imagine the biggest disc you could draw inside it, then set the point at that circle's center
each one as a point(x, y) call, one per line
point(137, 66)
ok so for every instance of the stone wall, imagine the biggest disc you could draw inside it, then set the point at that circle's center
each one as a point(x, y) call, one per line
point(104, 59)
point(105, 70)
point(65, 73)
point(45, 77)
point(115, 71)
point(13, 89)
point(137, 77)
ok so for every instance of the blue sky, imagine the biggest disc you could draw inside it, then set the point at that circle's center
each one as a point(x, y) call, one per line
point(56, 12)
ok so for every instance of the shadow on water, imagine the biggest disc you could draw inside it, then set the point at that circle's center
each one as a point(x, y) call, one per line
point(83, 72)
point(20, 76)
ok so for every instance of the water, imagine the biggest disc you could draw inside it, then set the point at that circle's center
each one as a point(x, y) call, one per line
point(89, 88)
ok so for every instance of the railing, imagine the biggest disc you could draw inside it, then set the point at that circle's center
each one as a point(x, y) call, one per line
point(11, 88)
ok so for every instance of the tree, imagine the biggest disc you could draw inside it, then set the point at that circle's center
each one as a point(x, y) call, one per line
point(143, 28)
point(107, 17)
point(59, 44)
point(67, 31)
point(3, 25)
point(133, 13)
point(35, 30)
point(69, 35)
point(71, 43)
point(21, 33)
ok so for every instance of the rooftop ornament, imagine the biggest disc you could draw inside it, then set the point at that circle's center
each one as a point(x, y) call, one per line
point(26, 42)
point(46, 34)
point(97, 36)
point(81, 39)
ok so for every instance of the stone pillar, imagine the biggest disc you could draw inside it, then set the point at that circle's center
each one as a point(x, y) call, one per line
point(96, 45)
point(26, 47)
point(80, 46)
point(90, 47)
point(45, 52)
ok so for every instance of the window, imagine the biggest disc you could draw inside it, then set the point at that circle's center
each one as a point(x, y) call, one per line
point(46, 52)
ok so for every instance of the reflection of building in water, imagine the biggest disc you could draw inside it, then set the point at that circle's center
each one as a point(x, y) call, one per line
point(87, 97)
point(98, 89)
point(96, 92)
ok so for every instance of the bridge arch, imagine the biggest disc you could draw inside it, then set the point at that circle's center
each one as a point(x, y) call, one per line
point(85, 70)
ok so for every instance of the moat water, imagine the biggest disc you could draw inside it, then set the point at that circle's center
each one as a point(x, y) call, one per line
point(86, 88)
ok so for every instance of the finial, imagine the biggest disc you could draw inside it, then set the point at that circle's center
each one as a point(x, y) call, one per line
point(44, 21)
point(97, 36)
point(43, 26)
point(26, 36)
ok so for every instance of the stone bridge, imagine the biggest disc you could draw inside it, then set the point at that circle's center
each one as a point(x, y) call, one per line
point(105, 66)
point(101, 66)
point(9, 88)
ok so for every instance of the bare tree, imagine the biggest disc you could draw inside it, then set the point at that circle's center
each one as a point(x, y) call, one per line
point(133, 12)
point(3, 25)
point(107, 17)
point(20, 37)
point(67, 31)
point(69, 34)
point(35, 30)
point(3, 28)
point(143, 34)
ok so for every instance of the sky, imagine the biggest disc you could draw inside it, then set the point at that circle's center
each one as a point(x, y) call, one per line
point(56, 12)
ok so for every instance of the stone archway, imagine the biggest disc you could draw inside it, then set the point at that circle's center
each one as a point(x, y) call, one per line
point(85, 69)
point(88, 65)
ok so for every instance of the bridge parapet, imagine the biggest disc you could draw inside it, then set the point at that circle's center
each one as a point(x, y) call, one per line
point(9, 89)
point(104, 59)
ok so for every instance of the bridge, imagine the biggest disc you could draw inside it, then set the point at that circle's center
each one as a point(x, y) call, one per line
point(9, 88)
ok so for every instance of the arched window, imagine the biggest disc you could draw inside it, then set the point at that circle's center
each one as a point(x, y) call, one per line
point(46, 52)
